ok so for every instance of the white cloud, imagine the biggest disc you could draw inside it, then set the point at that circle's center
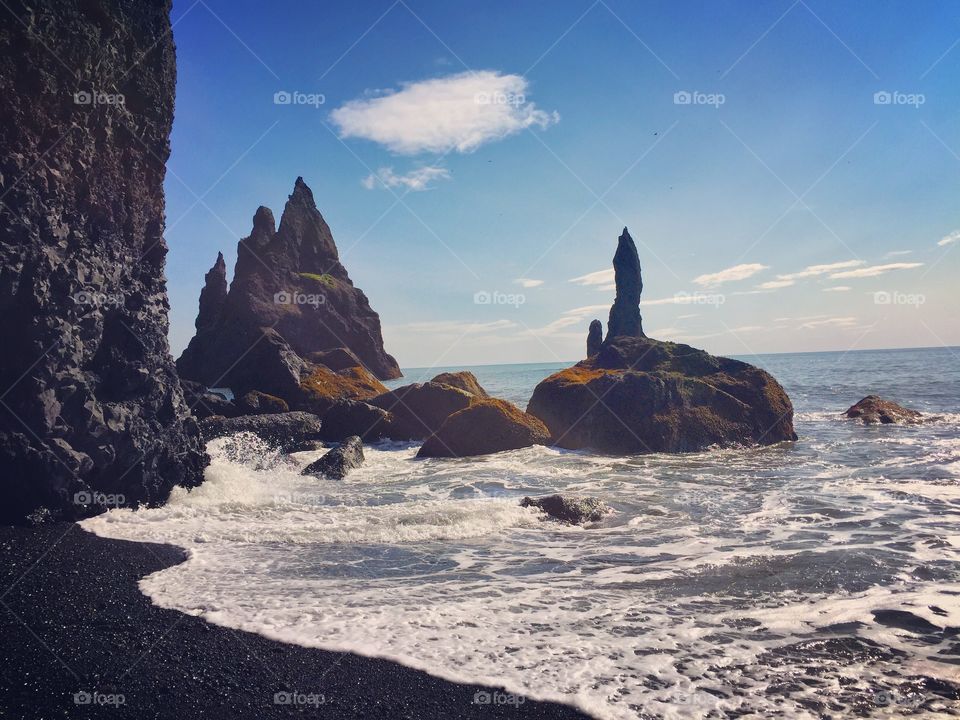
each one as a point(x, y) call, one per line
point(600, 277)
point(458, 112)
point(874, 270)
point(528, 282)
point(814, 270)
point(949, 239)
point(838, 288)
point(418, 179)
point(829, 322)
point(737, 272)
point(897, 253)
point(776, 284)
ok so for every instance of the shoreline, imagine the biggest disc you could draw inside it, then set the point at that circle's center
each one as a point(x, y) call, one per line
point(130, 658)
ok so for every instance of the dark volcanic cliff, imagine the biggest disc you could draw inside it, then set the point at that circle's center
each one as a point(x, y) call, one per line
point(91, 411)
point(290, 299)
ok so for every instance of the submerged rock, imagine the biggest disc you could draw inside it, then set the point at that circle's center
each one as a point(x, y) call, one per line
point(339, 461)
point(874, 409)
point(464, 380)
point(355, 417)
point(486, 426)
point(639, 395)
point(572, 509)
point(285, 430)
point(92, 403)
point(419, 409)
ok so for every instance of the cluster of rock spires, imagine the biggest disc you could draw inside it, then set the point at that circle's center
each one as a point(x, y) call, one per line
point(91, 405)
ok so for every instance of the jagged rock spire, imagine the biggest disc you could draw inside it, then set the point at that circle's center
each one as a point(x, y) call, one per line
point(625, 318)
point(213, 294)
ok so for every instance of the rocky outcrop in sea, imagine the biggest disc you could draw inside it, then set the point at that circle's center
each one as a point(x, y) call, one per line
point(92, 411)
point(640, 395)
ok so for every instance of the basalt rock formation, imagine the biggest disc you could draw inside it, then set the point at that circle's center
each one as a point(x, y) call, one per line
point(594, 338)
point(291, 301)
point(572, 509)
point(873, 409)
point(91, 404)
point(487, 425)
point(640, 395)
point(336, 463)
point(213, 295)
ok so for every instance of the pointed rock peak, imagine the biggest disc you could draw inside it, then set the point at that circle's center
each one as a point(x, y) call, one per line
point(626, 253)
point(213, 294)
point(263, 221)
point(302, 193)
point(220, 264)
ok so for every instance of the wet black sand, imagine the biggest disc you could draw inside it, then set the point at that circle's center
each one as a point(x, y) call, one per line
point(72, 620)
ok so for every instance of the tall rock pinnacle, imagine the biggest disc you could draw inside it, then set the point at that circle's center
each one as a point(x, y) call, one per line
point(213, 295)
point(625, 313)
point(594, 338)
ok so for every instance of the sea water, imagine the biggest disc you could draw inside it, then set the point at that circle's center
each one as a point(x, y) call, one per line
point(728, 583)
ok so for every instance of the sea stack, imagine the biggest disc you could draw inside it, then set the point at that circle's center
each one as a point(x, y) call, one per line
point(594, 338)
point(625, 312)
point(93, 414)
point(640, 395)
point(290, 303)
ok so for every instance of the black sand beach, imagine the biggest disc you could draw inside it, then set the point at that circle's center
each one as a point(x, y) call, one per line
point(79, 639)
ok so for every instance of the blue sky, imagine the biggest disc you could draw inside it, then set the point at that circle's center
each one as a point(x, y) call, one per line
point(468, 151)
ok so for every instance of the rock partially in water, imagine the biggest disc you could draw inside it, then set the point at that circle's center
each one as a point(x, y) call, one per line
point(485, 426)
point(572, 509)
point(258, 403)
point(873, 409)
point(419, 409)
point(92, 403)
point(464, 380)
point(322, 388)
point(284, 430)
point(337, 463)
point(355, 417)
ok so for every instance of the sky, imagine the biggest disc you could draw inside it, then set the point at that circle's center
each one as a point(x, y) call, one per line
point(789, 170)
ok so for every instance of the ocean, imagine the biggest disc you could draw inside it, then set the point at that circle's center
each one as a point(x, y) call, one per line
point(820, 577)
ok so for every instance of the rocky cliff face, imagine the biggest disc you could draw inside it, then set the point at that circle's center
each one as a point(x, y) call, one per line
point(289, 284)
point(91, 411)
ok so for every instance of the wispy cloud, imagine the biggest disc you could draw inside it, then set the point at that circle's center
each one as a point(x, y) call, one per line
point(814, 270)
point(829, 322)
point(897, 253)
point(837, 288)
point(458, 112)
point(587, 310)
point(776, 284)
point(874, 270)
point(737, 272)
point(556, 326)
point(600, 277)
point(415, 180)
point(454, 327)
point(528, 282)
point(949, 239)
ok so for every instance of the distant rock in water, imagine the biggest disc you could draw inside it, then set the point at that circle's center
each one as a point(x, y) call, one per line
point(639, 395)
point(464, 379)
point(594, 338)
point(625, 312)
point(874, 409)
point(336, 463)
point(93, 413)
point(571, 509)
point(290, 300)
